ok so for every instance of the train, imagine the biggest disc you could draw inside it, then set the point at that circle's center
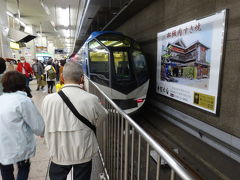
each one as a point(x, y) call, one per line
point(116, 64)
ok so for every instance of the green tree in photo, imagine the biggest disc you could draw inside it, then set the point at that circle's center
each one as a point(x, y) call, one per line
point(166, 57)
point(188, 72)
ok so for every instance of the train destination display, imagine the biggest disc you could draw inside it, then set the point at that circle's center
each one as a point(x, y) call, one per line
point(189, 61)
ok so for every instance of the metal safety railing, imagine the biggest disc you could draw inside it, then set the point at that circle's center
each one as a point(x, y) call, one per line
point(125, 148)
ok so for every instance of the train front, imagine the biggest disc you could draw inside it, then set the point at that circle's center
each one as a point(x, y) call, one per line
point(118, 66)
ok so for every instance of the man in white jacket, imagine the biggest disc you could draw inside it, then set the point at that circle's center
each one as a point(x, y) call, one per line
point(70, 142)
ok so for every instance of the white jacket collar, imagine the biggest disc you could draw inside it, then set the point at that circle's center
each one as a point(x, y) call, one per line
point(71, 85)
point(17, 92)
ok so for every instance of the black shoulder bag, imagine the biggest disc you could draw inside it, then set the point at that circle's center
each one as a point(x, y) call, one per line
point(75, 112)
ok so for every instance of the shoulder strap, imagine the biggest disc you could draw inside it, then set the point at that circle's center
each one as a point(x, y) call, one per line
point(75, 112)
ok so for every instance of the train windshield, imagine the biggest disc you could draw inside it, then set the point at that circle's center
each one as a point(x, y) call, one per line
point(99, 59)
point(121, 64)
point(114, 40)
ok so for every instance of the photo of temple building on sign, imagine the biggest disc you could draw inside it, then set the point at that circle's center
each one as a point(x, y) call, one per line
point(185, 64)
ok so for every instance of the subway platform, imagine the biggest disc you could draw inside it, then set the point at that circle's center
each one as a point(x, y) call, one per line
point(39, 164)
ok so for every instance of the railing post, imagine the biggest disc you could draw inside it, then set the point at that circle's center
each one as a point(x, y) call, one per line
point(114, 143)
point(132, 153)
point(104, 140)
point(110, 143)
point(118, 144)
point(172, 174)
point(147, 162)
point(126, 151)
point(139, 157)
point(158, 167)
point(121, 166)
point(107, 157)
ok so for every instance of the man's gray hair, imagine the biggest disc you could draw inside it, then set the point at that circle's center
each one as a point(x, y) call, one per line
point(72, 71)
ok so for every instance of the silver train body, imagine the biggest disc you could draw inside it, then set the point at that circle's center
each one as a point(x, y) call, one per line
point(117, 65)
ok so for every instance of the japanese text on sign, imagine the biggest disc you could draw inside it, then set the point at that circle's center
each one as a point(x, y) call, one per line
point(186, 30)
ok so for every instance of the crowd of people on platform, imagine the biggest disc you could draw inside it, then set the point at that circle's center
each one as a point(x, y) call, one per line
point(45, 74)
point(71, 142)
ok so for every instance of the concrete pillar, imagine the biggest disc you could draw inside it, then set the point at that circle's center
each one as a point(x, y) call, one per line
point(51, 48)
point(4, 43)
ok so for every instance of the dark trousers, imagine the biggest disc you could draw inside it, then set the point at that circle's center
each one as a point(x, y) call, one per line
point(23, 171)
point(80, 171)
point(57, 76)
point(50, 86)
point(27, 82)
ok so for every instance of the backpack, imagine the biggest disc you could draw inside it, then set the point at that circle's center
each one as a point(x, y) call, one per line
point(51, 74)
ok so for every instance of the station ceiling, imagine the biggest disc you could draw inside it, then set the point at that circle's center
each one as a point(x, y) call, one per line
point(68, 23)
point(56, 19)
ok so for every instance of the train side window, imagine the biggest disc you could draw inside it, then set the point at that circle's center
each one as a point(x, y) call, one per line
point(99, 59)
point(139, 62)
point(121, 64)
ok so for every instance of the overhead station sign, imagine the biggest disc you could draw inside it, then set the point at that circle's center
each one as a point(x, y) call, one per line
point(14, 45)
point(189, 61)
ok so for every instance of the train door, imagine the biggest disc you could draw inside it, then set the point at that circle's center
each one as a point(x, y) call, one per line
point(99, 62)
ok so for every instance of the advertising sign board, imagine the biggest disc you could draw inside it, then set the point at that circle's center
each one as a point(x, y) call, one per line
point(189, 61)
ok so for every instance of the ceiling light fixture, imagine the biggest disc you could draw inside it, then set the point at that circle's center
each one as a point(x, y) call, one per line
point(66, 33)
point(19, 21)
point(9, 13)
point(53, 24)
point(68, 40)
point(63, 16)
point(45, 8)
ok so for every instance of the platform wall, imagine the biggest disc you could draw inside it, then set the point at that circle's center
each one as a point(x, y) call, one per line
point(163, 14)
